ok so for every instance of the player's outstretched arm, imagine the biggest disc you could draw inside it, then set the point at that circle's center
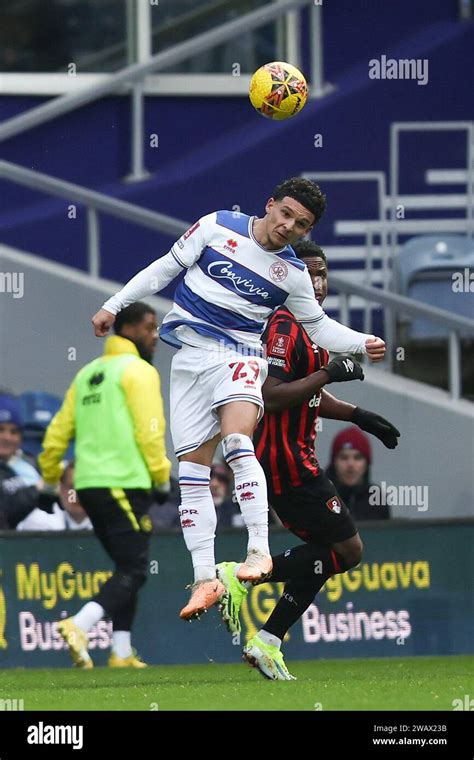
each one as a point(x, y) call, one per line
point(183, 254)
point(333, 408)
point(327, 332)
point(147, 282)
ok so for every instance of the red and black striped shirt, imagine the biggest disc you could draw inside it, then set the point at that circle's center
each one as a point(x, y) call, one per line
point(284, 441)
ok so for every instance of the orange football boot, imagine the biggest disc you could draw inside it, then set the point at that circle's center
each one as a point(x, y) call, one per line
point(204, 594)
point(256, 568)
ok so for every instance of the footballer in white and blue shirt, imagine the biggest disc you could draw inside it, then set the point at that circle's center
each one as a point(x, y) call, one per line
point(238, 269)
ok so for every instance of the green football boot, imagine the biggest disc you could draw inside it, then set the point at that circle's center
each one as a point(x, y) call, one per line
point(235, 593)
point(267, 658)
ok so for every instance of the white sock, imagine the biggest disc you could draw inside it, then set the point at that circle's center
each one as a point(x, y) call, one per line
point(88, 616)
point(198, 518)
point(204, 573)
point(250, 488)
point(269, 638)
point(121, 644)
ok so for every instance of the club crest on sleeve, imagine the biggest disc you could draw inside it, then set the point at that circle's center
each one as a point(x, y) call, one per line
point(280, 344)
point(334, 504)
point(278, 271)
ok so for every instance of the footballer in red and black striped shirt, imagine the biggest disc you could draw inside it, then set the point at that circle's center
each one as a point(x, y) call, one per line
point(284, 441)
point(304, 498)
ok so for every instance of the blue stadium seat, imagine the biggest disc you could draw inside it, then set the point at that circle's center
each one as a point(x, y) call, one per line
point(424, 271)
point(37, 411)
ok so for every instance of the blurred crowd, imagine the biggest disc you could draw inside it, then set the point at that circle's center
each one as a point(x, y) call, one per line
point(27, 503)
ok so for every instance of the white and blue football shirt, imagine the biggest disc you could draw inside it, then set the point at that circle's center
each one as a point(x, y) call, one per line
point(231, 286)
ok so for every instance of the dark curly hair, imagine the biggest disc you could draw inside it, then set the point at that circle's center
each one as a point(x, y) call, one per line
point(305, 192)
point(132, 315)
point(306, 249)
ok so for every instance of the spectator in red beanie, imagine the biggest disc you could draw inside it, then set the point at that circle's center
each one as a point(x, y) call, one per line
point(349, 469)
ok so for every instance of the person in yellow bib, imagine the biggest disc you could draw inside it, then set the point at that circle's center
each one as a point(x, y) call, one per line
point(114, 410)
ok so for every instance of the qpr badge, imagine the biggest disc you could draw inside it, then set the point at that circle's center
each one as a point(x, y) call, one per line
point(278, 271)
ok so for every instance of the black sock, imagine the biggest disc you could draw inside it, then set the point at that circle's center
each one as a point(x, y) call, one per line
point(295, 600)
point(122, 620)
point(305, 561)
point(119, 591)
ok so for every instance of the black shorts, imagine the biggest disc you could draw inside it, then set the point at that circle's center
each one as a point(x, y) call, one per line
point(121, 522)
point(314, 511)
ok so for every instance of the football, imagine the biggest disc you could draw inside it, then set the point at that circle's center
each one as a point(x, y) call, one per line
point(278, 90)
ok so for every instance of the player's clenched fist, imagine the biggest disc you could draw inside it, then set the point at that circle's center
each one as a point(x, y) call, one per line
point(102, 322)
point(375, 348)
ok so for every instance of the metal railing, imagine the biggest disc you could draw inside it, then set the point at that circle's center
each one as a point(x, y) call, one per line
point(98, 202)
point(184, 20)
point(431, 202)
point(425, 126)
point(380, 179)
point(135, 74)
point(446, 177)
point(95, 202)
point(395, 304)
point(392, 228)
point(401, 226)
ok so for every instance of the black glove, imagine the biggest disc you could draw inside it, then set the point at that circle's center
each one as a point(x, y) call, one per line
point(377, 425)
point(344, 368)
point(48, 495)
point(161, 493)
point(46, 501)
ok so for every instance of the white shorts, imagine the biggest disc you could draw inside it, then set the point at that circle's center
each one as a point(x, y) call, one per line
point(203, 380)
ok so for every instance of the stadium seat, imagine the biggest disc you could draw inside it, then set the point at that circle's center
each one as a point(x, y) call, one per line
point(38, 409)
point(424, 271)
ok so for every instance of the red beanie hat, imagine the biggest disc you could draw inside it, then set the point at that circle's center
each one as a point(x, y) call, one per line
point(351, 438)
